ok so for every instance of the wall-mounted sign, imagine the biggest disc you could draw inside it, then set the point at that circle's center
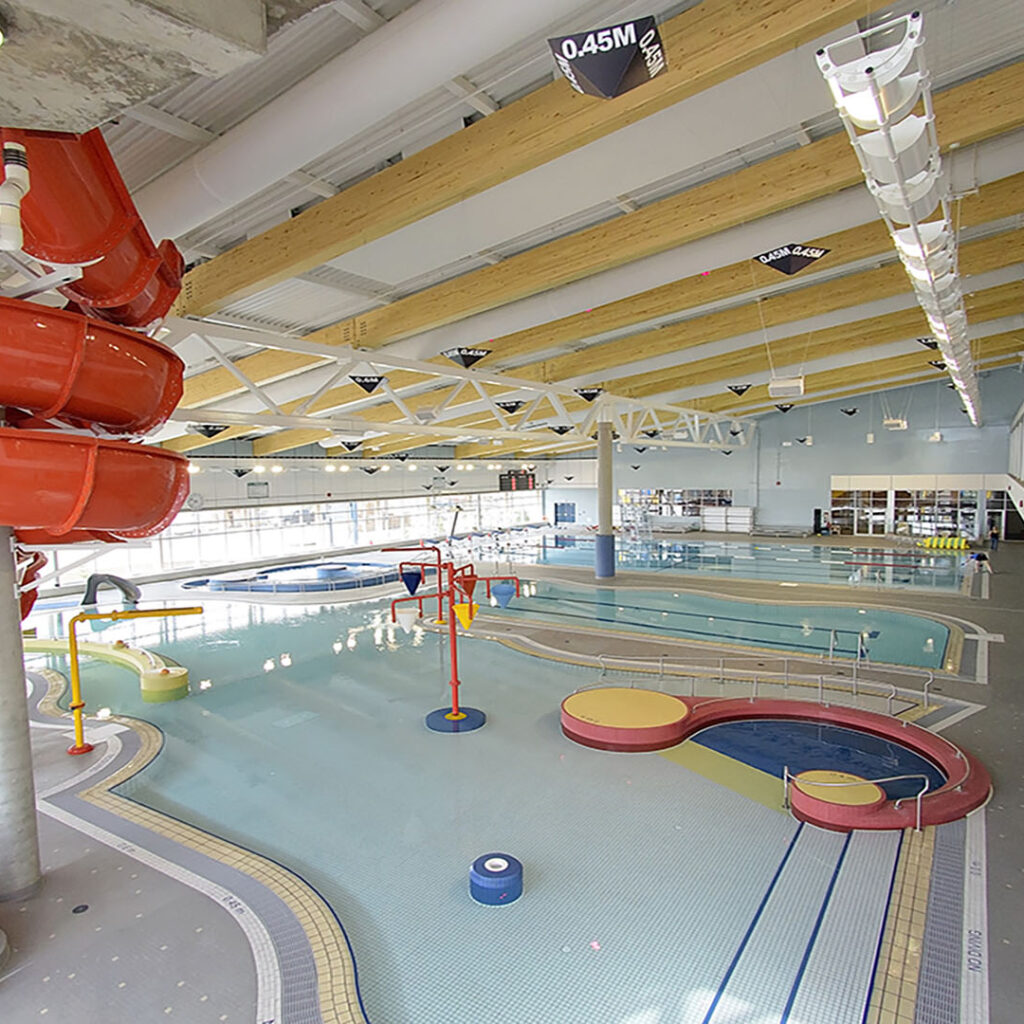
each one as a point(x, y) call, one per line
point(610, 61)
point(257, 489)
point(792, 258)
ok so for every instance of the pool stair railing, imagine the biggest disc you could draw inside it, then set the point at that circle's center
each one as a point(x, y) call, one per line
point(789, 781)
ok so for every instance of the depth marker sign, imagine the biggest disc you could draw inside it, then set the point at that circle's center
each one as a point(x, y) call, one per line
point(792, 258)
point(610, 61)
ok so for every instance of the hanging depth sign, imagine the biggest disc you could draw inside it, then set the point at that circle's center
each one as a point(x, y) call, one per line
point(610, 61)
point(792, 258)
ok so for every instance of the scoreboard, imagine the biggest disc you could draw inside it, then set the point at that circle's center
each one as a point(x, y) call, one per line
point(517, 480)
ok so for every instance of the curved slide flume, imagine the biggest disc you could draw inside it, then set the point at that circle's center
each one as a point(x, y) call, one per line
point(82, 368)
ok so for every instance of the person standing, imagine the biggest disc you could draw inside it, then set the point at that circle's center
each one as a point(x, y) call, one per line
point(993, 538)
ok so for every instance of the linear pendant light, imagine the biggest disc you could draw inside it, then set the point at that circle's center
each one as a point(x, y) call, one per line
point(877, 88)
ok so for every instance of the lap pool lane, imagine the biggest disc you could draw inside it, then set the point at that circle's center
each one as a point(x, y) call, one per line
point(809, 951)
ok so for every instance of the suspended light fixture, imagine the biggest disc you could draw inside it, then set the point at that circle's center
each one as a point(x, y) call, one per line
point(879, 92)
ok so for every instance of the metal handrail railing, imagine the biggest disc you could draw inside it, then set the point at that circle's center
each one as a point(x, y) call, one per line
point(787, 778)
point(660, 665)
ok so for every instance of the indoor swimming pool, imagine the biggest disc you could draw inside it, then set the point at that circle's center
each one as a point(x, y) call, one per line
point(868, 633)
point(646, 886)
point(794, 563)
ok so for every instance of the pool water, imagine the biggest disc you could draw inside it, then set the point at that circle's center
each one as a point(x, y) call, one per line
point(798, 563)
point(304, 739)
point(882, 636)
point(310, 577)
point(771, 744)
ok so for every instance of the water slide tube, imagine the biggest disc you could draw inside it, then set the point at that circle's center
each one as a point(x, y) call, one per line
point(66, 368)
point(131, 593)
point(78, 211)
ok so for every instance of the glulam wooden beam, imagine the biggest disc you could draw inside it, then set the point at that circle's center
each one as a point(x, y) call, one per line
point(696, 213)
point(846, 339)
point(967, 113)
point(704, 45)
point(786, 307)
point(991, 202)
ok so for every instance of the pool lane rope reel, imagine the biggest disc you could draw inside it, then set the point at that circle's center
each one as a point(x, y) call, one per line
point(496, 879)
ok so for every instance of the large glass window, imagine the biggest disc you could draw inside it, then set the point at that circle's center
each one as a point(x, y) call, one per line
point(254, 533)
point(942, 513)
point(675, 502)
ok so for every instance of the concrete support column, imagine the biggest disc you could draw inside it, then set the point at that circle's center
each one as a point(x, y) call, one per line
point(604, 555)
point(19, 841)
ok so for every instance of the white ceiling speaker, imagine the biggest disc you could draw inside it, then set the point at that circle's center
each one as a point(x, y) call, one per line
point(785, 387)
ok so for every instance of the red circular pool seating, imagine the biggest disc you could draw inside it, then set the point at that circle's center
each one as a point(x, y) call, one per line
point(968, 786)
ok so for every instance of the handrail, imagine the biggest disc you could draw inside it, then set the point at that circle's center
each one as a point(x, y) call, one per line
point(659, 664)
point(787, 777)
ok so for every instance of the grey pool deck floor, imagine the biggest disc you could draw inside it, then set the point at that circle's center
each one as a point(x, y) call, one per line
point(187, 958)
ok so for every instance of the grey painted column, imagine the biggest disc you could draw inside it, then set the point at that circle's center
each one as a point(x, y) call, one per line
point(604, 553)
point(19, 841)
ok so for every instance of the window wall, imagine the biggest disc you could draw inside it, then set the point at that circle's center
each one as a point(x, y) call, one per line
point(254, 533)
point(675, 502)
point(916, 513)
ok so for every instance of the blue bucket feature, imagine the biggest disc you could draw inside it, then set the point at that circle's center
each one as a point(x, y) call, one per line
point(412, 578)
point(503, 592)
point(496, 879)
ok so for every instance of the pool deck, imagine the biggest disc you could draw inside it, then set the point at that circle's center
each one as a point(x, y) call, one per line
point(106, 962)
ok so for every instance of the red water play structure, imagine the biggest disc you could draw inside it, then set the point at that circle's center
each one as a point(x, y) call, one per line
point(454, 596)
point(75, 383)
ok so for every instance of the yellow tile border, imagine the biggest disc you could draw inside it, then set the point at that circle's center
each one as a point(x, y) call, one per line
point(894, 991)
point(335, 967)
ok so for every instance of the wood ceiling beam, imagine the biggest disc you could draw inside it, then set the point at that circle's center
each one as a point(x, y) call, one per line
point(865, 374)
point(965, 114)
point(704, 45)
point(787, 307)
point(190, 442)
point(993, 202)
point(990, 304)
point(977, 257)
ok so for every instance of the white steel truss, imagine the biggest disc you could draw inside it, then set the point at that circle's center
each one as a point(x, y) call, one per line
point(633, 420)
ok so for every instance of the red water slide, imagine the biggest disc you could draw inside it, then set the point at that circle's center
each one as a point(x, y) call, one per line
point(68, 375)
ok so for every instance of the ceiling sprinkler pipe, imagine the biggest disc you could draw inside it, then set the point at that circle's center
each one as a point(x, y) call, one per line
point(13, 189)
point(431, 43)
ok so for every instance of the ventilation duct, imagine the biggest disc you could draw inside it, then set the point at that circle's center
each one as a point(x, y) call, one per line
point(424, 47)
